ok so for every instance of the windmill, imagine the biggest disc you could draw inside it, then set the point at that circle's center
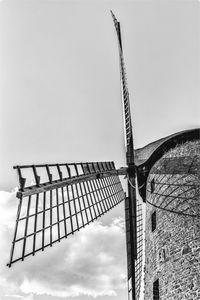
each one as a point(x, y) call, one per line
point(56, 200)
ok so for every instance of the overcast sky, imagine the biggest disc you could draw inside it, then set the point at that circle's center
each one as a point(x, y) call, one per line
point(60, 102)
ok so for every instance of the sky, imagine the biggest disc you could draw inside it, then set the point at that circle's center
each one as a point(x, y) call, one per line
point(60, 102)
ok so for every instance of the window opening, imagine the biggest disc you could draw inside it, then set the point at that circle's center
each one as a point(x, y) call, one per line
point(153, 221)
point(152, 185)
point(156, 290)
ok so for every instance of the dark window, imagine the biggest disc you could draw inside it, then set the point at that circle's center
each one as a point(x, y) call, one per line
point(153, 221)
point(152, 185)
point(156, 290)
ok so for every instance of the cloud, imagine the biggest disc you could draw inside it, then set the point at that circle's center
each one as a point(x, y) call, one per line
point(10, 296)
point(92, 262)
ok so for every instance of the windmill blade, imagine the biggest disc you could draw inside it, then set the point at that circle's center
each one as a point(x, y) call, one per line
point(59, 199)
point(133, 210)
point(124, 88)
point(140, 242)
point(135, 276)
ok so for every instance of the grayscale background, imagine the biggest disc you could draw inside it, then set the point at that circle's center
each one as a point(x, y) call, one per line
point(60, 102)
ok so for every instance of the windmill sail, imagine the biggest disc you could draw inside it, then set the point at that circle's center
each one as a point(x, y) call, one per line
point(59, 199)
point(56, 200)
point(133, 210)
point(124, 88)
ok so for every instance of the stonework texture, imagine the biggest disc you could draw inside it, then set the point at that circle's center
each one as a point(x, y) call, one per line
point(172, 250)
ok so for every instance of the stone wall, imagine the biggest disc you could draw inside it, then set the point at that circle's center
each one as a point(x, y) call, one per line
point(172, 253)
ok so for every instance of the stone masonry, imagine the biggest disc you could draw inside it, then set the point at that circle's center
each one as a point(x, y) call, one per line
point(172, 254)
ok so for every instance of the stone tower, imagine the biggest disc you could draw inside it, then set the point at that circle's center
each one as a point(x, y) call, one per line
point(172, 261)
point(168, 172)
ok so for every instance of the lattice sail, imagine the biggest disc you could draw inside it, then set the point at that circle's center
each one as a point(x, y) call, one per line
point(124, 87)
point(59, 199)
point(139, 260)
point(138, 263)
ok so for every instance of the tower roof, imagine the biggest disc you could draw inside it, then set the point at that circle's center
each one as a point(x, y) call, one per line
point(147, 156)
